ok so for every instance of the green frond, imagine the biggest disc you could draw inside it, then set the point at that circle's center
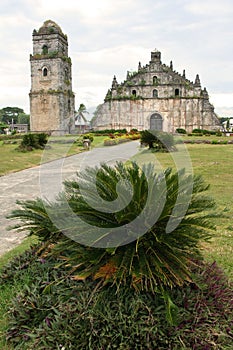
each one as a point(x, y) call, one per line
point(154, 259)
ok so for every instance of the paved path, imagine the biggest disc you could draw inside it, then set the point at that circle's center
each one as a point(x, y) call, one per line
point(46, 181)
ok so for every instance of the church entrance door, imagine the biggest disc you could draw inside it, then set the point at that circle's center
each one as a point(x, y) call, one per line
point(156, 122)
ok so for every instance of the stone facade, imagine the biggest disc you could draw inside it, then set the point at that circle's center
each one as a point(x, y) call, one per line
point(52, 102)
point(156, 97)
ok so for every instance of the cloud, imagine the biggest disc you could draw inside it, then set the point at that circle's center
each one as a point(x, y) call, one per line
point(210, 8)
point(109, 37)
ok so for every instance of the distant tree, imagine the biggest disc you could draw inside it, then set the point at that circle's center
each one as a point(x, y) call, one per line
point(8, 114)
point(24, 118)
point(80, 115)
point(222, 119)
point(81, 111)
point(2, 127)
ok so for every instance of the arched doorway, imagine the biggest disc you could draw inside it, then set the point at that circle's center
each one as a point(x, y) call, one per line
point(156, 122)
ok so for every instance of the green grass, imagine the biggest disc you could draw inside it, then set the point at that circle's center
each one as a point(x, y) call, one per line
point(8, 291)
point(13, 160)
point(215, 164)
point(26, 244)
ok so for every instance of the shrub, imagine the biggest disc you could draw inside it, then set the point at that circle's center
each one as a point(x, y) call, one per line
point(33, 141)
point(199, 131)
point(111, 142)
point(110, 131)
point(135, 136)
point(11, 137)
point(160, 141)
point(117, 140)
point(218, 133)
point(151, 261)
point(181, 131)
point(204, 132)
point(88, 137)
point(133, 131)
point(42, 139)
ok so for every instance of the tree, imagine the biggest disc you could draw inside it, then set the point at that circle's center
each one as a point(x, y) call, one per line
point(10, 113)
point(80, 113)
point(24, 118)
point(2, 127)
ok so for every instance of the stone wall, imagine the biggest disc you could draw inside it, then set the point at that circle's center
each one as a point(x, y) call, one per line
point(156, 89)
point(52, 103)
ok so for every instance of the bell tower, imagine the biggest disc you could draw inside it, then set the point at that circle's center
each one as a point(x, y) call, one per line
point(52, 101)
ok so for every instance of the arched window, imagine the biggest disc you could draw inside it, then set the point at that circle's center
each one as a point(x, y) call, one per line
point(45, 50)
point(156, 122)
point(45, 72)
point(155, 80)
point(177, 92)
point(155, 93)
point(134, 93)
point(69, 107)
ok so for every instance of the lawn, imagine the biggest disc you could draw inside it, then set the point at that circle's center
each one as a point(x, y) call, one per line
point(215, 164)
point(12, 160)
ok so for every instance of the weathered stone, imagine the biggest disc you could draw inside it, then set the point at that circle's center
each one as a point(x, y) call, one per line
point(156, 97)
point(52, 104)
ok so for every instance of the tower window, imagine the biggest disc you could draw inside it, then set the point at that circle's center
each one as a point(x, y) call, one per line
point(155, 93)
point(155, 80)
point(66, 74)
point(134, 92)
point(177, 92)
point(45, 50)
point(45, 72)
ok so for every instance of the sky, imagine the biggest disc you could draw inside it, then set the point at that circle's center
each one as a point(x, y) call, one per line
point(110, 37)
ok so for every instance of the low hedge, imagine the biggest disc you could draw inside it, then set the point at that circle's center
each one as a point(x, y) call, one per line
point(118, 140)
point(209, 142)
point(11, 137)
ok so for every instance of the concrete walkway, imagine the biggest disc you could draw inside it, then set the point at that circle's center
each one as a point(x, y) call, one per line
point(46, 180)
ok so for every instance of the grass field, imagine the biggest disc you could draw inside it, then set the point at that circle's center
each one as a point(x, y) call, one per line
point(215, 164)
point(12, 160)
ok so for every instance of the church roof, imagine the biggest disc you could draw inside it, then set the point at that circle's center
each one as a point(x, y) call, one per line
point(50, 27)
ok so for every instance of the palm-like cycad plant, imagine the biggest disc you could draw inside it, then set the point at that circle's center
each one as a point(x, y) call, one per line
point(122, 234)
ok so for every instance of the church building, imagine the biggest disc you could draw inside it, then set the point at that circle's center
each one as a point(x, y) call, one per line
point(156, 97)
point(52, 101)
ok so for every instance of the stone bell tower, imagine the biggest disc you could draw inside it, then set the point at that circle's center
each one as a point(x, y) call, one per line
point(52, 102)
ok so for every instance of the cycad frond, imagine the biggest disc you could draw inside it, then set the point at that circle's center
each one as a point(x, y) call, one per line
point(146, 255)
